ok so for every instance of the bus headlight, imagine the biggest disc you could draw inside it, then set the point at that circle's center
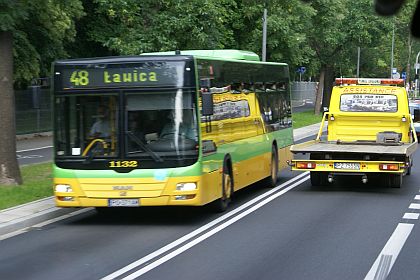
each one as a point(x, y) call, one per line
point(63, 188)
point(186, 186)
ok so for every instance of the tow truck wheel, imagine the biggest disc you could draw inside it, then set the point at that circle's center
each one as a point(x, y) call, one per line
point(409, 167)
point(395, 180)
point(318, 178)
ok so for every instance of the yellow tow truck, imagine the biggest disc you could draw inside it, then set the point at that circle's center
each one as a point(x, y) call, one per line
point(367, 131)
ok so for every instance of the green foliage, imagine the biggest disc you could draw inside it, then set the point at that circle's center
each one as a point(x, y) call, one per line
point(133, 27)
point(315, 34)
point(41, 29)
point(11, 12)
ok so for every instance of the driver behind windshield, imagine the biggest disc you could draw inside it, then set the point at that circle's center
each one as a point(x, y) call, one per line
point(181, 125)
point(101, 128)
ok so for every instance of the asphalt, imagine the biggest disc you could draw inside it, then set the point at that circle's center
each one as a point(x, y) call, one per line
point(35, 214)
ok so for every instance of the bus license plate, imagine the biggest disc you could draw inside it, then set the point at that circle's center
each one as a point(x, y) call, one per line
point(347, 165)
point(123, 202)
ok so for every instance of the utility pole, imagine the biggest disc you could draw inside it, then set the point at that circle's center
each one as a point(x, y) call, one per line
point(264, 40)
point(358, 62)
point(417, 66)
point(392, 48)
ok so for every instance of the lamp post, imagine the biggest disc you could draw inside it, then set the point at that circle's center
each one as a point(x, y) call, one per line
point(417, 66)
point(264, 40)
point(392, 48)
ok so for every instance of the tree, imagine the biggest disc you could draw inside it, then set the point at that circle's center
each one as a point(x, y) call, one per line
point(342, 27)
point(129, 27)
point(40, 29)
point(9, 169)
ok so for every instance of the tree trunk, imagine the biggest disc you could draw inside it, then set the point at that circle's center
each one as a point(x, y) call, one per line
point(319, 92)
point(328, 85)
point(9, 168)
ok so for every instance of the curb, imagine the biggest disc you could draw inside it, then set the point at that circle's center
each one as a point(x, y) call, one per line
point(25, 222)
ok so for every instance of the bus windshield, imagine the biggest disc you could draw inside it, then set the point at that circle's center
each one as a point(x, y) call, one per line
point(158, 129)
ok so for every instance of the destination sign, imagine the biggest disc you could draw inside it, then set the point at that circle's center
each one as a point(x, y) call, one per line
point(148, 74)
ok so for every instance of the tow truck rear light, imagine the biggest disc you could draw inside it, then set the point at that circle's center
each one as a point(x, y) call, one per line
point(369, 81)
point(305, 165)
point(389, 166)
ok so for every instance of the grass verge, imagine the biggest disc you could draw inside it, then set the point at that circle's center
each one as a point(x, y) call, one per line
point(37, 184)
point(305, 118)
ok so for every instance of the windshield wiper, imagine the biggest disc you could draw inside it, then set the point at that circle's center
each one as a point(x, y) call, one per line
point(138, 141)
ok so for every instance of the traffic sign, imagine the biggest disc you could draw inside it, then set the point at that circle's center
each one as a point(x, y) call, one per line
point(403, 75)
point(301, 69)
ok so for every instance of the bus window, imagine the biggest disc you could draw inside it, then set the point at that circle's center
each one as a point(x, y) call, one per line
point(88, 127)
point(164, 124)
point(275, 106)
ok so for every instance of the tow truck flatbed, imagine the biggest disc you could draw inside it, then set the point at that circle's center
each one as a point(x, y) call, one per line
point(346, 147)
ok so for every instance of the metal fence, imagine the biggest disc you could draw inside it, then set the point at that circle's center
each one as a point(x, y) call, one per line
point(303, 93)
point(33, 111)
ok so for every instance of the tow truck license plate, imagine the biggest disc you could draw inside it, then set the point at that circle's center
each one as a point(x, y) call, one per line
point(347, 165)
point(123, 202)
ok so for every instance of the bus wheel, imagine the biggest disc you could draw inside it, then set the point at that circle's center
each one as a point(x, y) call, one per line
point(271, 181)
point(221, 204)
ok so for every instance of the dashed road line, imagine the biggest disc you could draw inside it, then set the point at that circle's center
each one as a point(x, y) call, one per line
point(415, 206)
point(411, 216)
point(386, 259)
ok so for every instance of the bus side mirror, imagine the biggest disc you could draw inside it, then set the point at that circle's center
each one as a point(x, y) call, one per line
point(207, 102)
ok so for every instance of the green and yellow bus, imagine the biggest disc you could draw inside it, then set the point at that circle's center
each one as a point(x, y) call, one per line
point(172, 128)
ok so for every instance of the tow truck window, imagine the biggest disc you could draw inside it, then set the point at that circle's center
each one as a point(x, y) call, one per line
point(368, 103)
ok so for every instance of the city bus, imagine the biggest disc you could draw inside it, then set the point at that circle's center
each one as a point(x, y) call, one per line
point(168, 129)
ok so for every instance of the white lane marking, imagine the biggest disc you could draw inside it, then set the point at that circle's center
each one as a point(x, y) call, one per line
point(417, 197)
point(411, 216)
point(196, 232)
point(34, 149)
point(71, 214)
point(414, 206)
point(28, 156)
point(386, 259)
point(14, 233)
point(50, 221)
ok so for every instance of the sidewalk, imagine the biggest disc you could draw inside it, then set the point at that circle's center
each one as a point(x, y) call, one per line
point(26, 142)
point(22, 217)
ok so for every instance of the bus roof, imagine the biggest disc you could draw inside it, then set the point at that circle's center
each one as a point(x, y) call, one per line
point(222, 54)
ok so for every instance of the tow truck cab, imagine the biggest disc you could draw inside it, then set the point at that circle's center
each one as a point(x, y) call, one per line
point(373, 110)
